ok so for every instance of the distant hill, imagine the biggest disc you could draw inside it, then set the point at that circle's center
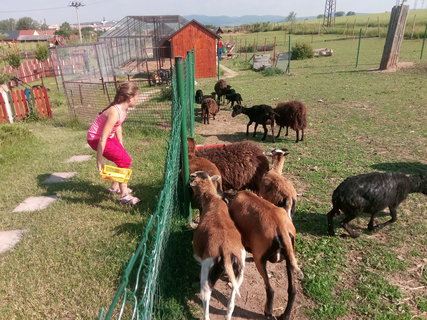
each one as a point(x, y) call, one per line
point(234, 21)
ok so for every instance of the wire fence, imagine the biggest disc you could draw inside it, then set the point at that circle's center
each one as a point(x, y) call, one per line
point(138, 293)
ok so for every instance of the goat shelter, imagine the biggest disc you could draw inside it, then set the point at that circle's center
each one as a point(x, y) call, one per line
point(194, 36)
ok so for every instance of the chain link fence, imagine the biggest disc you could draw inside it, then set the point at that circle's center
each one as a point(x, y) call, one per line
point(138, 293)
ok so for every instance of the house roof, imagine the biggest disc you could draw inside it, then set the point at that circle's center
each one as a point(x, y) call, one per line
point(199, 25)
point(26, 35)
point(9, 35)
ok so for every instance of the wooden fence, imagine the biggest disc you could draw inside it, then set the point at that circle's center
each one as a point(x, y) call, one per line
point(34, 70)
point(17, 104)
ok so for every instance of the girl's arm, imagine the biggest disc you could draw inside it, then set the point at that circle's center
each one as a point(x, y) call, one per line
point(112, 117)
point(119, 134)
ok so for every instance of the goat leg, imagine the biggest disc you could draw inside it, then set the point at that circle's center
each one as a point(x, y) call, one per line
point(331, 215)
point(292, 292)
point(302, 135)
point(247, 128)
point(296, 141)
point(262, 269)
point(287, 131)
point(272, 131)
point(256, 126)
point(393, 214)
point(347, 227)
point(280, 129)
point(265, 132)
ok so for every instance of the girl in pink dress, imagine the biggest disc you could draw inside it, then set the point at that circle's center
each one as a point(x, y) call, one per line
point(105, 137)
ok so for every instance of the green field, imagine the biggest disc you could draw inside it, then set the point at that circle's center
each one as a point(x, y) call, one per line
point(69, 262)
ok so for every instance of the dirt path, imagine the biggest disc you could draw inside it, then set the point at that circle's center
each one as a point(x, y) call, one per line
point(223, 130)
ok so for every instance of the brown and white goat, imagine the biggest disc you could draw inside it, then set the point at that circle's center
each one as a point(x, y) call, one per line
point(276, 188)
point(209, 108)
point(267, 232)
point(217, 244)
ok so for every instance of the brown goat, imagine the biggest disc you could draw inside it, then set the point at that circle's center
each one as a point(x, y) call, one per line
point(201, 164)
point(241, 164)
point(267, 232)
point(217, 244)
point(291, 114)
point(209, 108)
point(220, 89)
point(276, 188)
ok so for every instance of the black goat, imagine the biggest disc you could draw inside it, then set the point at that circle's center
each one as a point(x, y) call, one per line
point(234, 97)
point(370, 193)
point(260, 114)
point(199, 96)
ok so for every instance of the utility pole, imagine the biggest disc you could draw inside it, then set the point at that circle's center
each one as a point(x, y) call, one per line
point(77, 5)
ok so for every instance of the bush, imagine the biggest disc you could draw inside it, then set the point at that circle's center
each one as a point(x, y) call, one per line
point(271, 72)
point(302, 51)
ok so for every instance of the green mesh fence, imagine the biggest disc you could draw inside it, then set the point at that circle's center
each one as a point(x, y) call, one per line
point(137, 295)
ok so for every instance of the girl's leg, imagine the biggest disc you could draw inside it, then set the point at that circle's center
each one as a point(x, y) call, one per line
point(123, 189)
point(115, 186)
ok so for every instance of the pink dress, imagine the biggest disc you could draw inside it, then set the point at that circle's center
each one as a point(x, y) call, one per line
point(114, 150)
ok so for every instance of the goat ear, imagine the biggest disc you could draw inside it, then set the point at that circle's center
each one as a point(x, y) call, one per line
point(215, 177)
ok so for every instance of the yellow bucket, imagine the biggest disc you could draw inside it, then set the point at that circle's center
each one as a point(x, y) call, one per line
point(121, 175)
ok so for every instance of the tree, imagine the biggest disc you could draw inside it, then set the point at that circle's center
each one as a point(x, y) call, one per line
point(8, 24)
point(42, 52)
point(291, 17)
point(64, 30)
point(27, 23)
point(44, 26)
point(320, 16)
point(339, 13)
point(351, 13)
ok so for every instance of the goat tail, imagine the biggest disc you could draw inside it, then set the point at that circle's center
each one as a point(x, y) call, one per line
point(287, 242)
point(228, 266)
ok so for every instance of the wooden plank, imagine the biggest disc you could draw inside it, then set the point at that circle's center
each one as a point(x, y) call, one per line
point(3, 113)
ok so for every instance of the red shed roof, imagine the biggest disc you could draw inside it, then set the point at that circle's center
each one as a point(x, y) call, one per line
point(214, 35)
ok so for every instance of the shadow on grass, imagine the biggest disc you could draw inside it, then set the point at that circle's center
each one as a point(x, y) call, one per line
point(241, 136)
point(93, 195)
point(308, 222)
point(179, 274)
point(404, 167)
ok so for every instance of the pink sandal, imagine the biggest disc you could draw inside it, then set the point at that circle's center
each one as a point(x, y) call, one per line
point(128, 199)
point(117, 191)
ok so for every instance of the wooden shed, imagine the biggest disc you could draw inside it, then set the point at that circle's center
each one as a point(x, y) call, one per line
point(195, 36)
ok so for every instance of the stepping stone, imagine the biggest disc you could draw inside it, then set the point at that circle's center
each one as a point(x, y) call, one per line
point(35, 203)
point(58, 177)
point(8, 239)
point(82, 158)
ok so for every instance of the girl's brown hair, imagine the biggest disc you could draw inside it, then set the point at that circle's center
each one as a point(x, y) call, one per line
point(124, 93)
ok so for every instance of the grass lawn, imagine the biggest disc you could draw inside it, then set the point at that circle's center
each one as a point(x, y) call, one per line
point(68, 264)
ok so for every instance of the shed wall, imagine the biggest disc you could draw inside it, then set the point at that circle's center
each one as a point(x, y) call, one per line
point(204, 45)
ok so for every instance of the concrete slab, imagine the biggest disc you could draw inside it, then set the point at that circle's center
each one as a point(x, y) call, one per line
point(81, 158)
point(35, 203)
point(8, 239)
point(58, 177)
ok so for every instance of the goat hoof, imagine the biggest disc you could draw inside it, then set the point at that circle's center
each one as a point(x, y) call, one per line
point(268, 316)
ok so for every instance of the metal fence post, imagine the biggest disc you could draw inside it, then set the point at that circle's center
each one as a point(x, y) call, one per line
point(192, 77)
point(358, 48)
point(184, 147)
point(424, 40)
point(288, 68)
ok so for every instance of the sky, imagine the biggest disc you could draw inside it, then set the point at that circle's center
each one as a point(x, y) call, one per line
point(59, 11)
